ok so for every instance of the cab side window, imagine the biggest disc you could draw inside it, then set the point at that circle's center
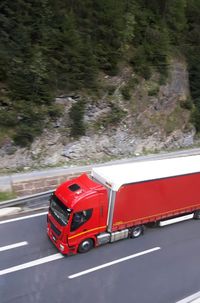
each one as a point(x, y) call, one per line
point(80, 218)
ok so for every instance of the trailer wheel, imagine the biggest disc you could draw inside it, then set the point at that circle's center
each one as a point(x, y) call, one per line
point(85, 245)
point(137, 231)
point(197, 214)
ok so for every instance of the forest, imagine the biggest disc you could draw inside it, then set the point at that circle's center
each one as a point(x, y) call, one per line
point(49, 48)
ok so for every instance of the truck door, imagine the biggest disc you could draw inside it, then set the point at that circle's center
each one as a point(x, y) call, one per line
point(85, 222)
point(103, 206)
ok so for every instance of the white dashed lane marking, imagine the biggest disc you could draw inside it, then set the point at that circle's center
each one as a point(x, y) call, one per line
point(31, 264)
point(11, 246)
point(85, 272)
point(23, 218)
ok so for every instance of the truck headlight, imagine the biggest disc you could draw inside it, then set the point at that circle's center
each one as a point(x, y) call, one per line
point(61, 247)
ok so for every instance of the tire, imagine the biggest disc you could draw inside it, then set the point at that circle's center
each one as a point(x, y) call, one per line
point(85, 245)
point(197, 215)
point(137, 231)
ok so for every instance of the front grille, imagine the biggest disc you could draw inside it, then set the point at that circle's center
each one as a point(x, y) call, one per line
point(55, 217)
point(55, 230)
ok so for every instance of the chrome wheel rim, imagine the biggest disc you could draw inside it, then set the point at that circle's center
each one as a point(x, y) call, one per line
point(136, 232)
point(86, 245)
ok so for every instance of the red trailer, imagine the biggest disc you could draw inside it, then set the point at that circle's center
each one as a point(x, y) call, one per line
point(117, 201)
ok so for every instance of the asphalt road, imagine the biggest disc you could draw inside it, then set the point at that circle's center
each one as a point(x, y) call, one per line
point(165, 274)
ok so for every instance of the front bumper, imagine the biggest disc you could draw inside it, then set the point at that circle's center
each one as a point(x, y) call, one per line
point(61, 246)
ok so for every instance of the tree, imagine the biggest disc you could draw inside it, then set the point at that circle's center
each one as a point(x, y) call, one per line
point(76, 115)
point(192, 52)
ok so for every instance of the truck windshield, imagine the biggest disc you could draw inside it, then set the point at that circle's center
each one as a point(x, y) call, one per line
point(59, 211)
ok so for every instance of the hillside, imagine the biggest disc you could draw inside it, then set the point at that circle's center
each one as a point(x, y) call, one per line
point(153, 118)
point(91, 80)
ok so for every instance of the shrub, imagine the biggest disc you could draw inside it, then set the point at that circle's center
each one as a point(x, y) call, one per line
point(126, 92)
point(187, 104)
point(55, 110)
point(111, 90)
point(153, 91)
point(116, 114)
point(76, 115)
point(24, 136)
point(195, 119)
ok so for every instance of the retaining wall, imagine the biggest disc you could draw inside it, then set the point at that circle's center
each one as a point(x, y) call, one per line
point(27, 185)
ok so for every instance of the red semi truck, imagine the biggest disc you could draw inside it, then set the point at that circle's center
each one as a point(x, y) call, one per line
point(117, 201)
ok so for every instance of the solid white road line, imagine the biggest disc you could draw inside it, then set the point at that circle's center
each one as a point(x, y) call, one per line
point(195, 298)
point(113, 262)
point(176, 220)
point(11, 246)
point(23, 218)
point(31, 264)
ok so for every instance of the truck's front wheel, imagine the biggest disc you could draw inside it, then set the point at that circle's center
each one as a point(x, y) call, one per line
point(136, 231)
point(85, 245)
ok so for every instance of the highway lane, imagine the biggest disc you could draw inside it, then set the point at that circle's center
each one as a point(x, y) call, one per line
point(32, 230)
point(162, 276)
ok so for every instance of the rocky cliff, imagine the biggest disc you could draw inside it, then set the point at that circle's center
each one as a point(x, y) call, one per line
point(129, 116)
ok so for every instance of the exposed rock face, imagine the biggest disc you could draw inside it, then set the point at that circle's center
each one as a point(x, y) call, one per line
point(122, 144)
point(151, 120)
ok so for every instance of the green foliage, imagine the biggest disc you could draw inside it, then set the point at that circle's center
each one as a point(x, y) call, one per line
point(76, 115)
point(55, 110)
point(112, 118)
point(111, 89)
point(24, 136)
point(47, 47)
point(125, 90)
point(173, 121)
point(195, 119)
point(192, 52)
point(7, 196)
point(153, 91)
point(30, 123)
point(115, 115)
point(187, 104)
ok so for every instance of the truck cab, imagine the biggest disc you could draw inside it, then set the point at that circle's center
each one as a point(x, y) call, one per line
point(77, 213)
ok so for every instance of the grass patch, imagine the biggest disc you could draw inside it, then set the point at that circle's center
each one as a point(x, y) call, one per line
point(113, 117)
point(174, 121)
point(153, 91)
point(7, 196)
point(126, 92)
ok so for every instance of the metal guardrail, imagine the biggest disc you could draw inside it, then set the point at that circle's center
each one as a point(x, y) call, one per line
point(44, 195)
point(26, 199)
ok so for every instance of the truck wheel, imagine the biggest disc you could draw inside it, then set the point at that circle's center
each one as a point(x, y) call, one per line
point(197, 214)
point(137, 231)
point(85, 245)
